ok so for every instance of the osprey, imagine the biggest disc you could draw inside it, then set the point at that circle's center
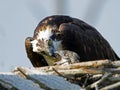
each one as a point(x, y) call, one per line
point(59, 32)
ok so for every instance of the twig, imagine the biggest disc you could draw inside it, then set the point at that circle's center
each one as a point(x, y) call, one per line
point(68, 78)
point(113, 86)
point(85, 82)
point(99, 81)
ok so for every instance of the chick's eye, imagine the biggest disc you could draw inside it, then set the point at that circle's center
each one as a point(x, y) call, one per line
point(50, 42)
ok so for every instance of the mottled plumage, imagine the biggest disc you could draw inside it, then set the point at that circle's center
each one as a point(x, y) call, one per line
point(36, 59)
point(60, 32)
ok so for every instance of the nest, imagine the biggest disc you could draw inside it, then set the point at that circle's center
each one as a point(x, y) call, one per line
point(91, 75)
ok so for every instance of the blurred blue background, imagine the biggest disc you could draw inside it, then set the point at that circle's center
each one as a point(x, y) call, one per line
point(19, 18)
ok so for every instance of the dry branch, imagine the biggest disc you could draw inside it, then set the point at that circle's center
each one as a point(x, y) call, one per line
point(97, 63)
point(110, 87)
point(97, 83)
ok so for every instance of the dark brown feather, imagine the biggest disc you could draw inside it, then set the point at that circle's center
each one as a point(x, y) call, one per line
point(86, 41)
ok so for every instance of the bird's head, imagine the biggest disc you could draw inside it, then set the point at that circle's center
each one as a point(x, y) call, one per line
point(47, 41)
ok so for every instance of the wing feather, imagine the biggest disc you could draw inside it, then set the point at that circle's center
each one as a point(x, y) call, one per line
point(86, 41)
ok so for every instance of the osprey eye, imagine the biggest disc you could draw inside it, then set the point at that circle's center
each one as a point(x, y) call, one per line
point(50, 42)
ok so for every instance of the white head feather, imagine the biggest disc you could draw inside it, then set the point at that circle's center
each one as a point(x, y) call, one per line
point(45, 35)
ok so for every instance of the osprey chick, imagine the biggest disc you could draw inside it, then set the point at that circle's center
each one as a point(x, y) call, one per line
point(61, 32)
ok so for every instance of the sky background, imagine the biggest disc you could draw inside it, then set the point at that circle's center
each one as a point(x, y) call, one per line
point(19, 18)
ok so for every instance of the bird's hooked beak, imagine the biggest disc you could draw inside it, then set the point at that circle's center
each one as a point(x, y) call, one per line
point(51, 48)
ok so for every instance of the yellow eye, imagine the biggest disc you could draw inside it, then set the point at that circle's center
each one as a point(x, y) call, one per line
point(50, 42)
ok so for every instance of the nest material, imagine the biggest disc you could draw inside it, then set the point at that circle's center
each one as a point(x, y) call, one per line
point(98, 75)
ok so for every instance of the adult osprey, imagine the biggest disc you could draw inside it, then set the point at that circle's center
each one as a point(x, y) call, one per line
point(61, 32)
